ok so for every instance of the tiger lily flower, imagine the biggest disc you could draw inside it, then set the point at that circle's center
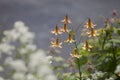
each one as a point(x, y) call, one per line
point(69, 39)
point(75, 54)
point(89, 24)
point(87, 46)
point(65, 29)
point(56, 31)
point(92, 33)
point(66, 20)
point(56, 43)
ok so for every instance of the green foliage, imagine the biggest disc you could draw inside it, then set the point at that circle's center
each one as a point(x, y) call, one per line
point(104, 55)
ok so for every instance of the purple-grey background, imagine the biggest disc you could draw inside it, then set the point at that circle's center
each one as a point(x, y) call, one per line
point(42, 15)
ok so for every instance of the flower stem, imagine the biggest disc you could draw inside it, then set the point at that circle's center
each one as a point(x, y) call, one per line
point(79, 69)
point(78, 61)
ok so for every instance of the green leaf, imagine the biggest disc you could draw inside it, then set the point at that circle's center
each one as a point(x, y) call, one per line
point(82, 61)
point(72, 33)
point(115, 40)
point(84, 52)
point(58, 59)
point(107, 45)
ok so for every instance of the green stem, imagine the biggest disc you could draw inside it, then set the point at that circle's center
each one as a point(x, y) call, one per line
point(80, 74)
point(75, 43)
point(103, 43)
point(113, 51)
point(114, 57)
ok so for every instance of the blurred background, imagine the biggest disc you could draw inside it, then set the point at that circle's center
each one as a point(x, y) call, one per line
point(42, 15)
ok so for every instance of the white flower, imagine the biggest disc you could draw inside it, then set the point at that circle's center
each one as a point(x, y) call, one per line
point(1, 78)
point(20, 31)
point(97, 75)
point(6, 48)
point(20, 27)
point(88, 79)
point(36, 59)
point(28, 48)
point(8, 60)
point(117, 69)
point(1, 68)
point(17, 65)
point(30, 77)
point(20, 42)
point(39, 63)
point(44, 70)
point(19, 76)
point(31, 47)
point(10, 35)
point(50, 77)
point(49, 58)
point(27, 37)
point(110, 78)
point(94, 76)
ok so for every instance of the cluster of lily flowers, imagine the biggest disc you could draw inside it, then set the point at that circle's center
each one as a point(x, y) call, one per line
point(58, 31)
point(92, 33)
point(70, 39)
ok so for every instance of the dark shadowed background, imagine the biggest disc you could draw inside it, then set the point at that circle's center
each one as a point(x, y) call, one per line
point(42, 15)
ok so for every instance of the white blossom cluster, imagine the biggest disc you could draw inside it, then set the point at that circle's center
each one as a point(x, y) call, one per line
point(117, 69)
point(110, 78)
point(97, 75)
point(23, 59)
point(98, 79)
